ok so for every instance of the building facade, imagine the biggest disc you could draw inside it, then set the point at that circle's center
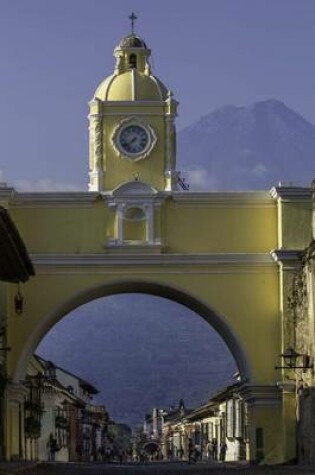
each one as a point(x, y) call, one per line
point(60, 421)
point(200, 433)
point(300, 330)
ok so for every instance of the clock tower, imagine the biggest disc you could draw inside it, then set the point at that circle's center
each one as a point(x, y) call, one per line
point(132, 124)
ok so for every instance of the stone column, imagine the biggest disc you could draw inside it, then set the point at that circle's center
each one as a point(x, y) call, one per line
point(264, 421)
point(149, 212)
point(170, 154)
point(96, 150)
point(289, 416)
point(120, 223)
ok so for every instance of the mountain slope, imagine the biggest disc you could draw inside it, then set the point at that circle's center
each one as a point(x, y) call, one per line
point(251, 147)
point(141, 352)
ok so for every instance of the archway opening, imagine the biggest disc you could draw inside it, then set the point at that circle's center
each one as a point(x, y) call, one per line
point(141, 351)
point(147, 348)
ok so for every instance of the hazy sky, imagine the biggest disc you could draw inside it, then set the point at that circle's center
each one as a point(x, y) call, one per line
point(209, 52)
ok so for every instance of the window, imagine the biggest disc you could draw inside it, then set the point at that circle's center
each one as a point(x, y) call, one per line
point(133, 61)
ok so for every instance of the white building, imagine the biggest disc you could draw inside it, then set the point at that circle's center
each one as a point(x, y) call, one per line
point(61, 423)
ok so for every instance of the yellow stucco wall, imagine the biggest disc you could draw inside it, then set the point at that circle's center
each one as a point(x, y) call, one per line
point(150, 170)
point(214, 228)
point(185, 227)
point(245, 293)
point(214, 249)
point(296, 224)
point(235, 292)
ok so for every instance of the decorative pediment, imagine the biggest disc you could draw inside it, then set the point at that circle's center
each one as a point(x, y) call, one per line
point(134, 188)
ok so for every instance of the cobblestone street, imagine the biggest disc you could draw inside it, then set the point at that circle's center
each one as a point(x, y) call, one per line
point(163, 469)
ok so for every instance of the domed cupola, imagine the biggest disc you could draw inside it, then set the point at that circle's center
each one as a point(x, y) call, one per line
point(132, 79)
point(132, 41)
point(132, 52)
point(132, 123)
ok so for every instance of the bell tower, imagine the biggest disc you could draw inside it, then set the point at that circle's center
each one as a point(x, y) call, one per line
point(132, 135)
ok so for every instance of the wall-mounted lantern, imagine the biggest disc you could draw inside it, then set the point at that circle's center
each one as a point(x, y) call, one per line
point(291, 358)
point(18, 302)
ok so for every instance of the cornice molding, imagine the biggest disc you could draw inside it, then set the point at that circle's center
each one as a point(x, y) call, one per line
point(6, 192)
point(291, 193)
point(133, 104)
point(289, 258)
point(60, 199)
point(287, 387)
point(251, 199)
point(261, 395)
point(134, 258)
point(87, 198)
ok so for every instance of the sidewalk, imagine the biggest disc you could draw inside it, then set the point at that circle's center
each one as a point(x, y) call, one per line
point(8, 468)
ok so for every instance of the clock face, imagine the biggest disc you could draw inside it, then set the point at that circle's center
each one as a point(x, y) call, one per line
point(134, 139)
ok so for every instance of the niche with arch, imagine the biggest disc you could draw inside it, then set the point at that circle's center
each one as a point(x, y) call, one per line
point(136, 206)
point(134, 224)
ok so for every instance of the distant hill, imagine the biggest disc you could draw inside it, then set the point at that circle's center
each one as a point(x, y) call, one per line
point(254, 147)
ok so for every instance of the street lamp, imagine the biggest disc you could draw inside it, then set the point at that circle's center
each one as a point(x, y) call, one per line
point(290, 359)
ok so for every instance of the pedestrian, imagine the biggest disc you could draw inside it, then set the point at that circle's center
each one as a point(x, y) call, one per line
point(120, 455)
point(209, 451)
point(191, 451)
point(214, 449)
point(53, 447)
point(180, 452)
point(197, 452)
point(223, 448)
point(108, 455)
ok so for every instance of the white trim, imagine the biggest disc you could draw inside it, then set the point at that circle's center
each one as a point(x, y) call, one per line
point(132, 188)
point(121, 271)
point(96, 176)
point(131, 114)
point(287, 259)
point(133, 84)
point(152, 139)
point(291, 193)
point(261, 395)
point(6, 192)
point(250, 199)
point(138, 258)
point(126, 247)
point(119, 223)
point(150, 231)
point(137, 103)
point(133, 198)
point(186, 199)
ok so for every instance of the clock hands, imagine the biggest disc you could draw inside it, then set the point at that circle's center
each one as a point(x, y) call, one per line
point(133, 139)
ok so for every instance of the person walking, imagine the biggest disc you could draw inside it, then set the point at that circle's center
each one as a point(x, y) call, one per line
point(191, 451)
point(209, 449)
point(214, 449)
point(223, 448)
point(53, 448)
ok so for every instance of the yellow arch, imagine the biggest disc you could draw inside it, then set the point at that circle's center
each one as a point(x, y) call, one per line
point(218, 322)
